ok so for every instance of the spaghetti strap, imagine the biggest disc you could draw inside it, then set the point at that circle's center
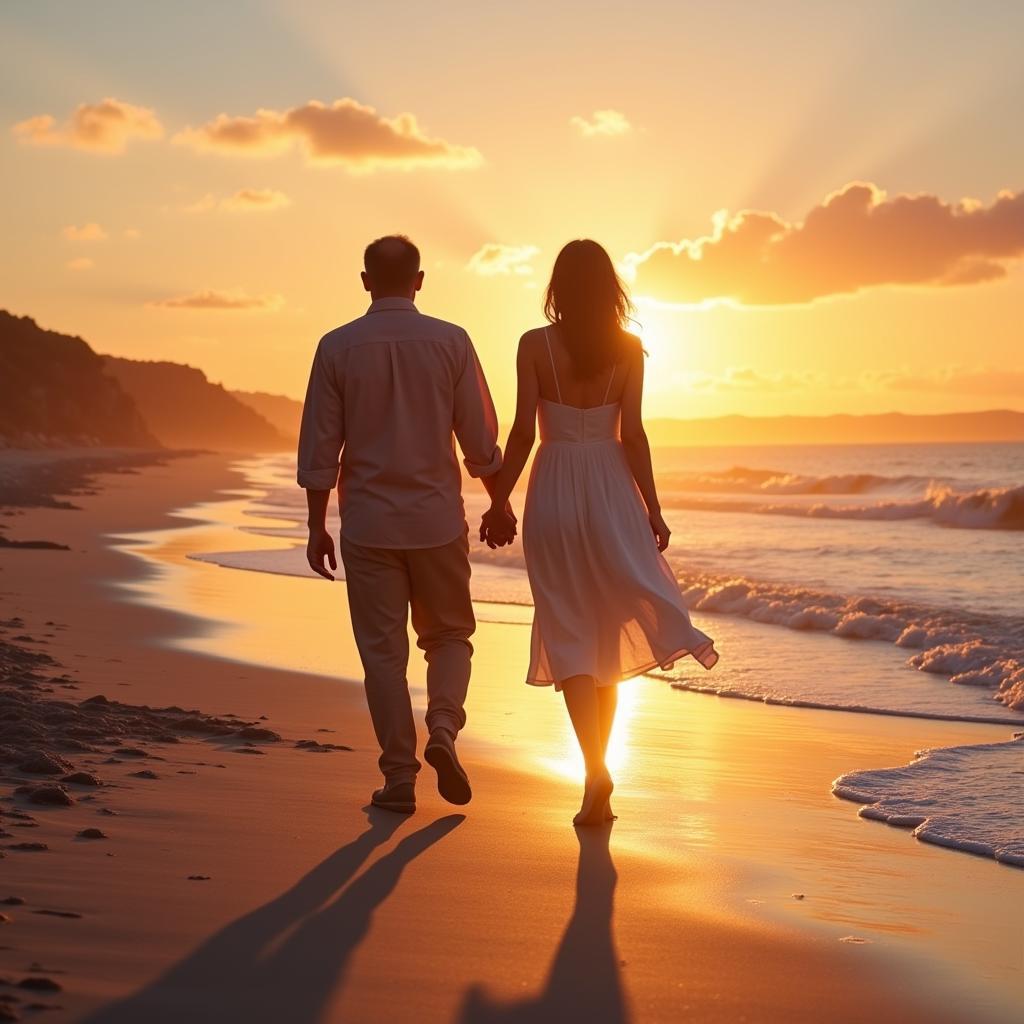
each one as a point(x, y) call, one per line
point(608, 390)
point(558, 389)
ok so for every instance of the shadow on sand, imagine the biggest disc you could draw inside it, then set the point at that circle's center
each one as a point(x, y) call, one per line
point(283, 961)
point(584, 981)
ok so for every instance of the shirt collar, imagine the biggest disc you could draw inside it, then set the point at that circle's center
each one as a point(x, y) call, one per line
point(392, 302)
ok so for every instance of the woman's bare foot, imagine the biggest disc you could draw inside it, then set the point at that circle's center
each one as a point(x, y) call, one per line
point(596, 794)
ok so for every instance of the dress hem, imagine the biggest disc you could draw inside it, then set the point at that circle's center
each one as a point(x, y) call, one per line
point(704, 651)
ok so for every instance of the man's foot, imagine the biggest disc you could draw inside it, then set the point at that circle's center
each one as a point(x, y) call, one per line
point(596, 795)
point(400, 798)
point(452, 781)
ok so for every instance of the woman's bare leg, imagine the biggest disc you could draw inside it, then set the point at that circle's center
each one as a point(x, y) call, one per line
point(581, 701)
point(607, 701)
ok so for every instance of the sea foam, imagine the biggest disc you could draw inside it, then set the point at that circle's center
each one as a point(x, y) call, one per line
point(973, 649)
point(960, 797)
point(747, 480)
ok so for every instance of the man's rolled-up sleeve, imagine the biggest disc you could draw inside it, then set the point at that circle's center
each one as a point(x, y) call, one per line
point(476, 422)
point(322, 434)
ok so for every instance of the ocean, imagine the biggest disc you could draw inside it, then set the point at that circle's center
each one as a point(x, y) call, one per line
point(909, 556)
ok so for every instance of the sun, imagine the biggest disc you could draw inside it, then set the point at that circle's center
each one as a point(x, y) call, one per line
point(659, 335)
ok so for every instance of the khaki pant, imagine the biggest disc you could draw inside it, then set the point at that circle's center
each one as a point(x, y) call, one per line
point(383, 584)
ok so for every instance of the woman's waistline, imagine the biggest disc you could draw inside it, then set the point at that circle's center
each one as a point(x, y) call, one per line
point(566, 443)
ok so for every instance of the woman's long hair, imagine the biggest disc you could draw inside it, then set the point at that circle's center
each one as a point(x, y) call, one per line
point(590, 305)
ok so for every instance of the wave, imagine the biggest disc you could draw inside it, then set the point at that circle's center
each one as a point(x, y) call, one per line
point(972, 649)
point(956, 797)
point(745, 480)
point(985, 509)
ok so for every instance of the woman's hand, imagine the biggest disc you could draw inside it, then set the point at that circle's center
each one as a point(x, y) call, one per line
point(660, 529)
point(498, 526)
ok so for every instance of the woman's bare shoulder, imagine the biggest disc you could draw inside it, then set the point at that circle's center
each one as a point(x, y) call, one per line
point(532, 341)
point(535, 335)
point(634, 348)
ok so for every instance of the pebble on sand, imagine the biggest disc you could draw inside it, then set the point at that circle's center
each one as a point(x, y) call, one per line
point(198, 878)
point(32, 847)
point(81, 779)
point(37, 984)
point(53, 794)
point(146, 773)
point(254, 732)
point(92, 833)
point(40, 762)
point(316, 747)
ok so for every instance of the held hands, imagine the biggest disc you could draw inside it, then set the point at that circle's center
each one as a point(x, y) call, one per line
point(320, 546)
point(498, 526)
point(660, 529)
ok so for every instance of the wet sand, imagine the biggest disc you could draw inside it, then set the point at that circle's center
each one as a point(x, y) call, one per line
point(254, 887)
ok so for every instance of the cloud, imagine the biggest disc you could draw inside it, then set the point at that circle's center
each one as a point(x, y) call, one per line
point(103, 127)
point(256, 199)
point(244, 200)
point(603, 122)
point(346, 133)
point(493, 258)
point(228, 300)
point(81, 263)
point(952, 380)
point(90, 232)
point(744, 378)
point(857, 238)
point(208, 202)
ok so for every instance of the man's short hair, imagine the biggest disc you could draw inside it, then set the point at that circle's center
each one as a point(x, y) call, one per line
point(391, 262)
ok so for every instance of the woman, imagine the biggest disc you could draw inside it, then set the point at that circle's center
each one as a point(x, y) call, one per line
point(607, 606)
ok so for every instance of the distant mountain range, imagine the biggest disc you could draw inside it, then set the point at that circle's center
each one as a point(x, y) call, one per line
point(55, 390)
point(882, 428)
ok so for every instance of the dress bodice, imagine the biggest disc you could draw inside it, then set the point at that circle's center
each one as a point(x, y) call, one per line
point(569, 424)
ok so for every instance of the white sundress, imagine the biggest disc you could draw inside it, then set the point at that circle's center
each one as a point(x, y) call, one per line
point(606, 603)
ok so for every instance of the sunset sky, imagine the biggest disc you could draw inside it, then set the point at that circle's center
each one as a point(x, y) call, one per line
point(821, 205)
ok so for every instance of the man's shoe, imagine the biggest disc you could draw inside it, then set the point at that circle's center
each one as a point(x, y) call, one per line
point(452, 781)
point(400, 798)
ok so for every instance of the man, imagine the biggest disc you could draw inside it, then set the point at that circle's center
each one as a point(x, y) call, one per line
point(386, 393)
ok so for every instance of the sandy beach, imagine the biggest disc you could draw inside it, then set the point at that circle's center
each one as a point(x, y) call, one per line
point(240, 877)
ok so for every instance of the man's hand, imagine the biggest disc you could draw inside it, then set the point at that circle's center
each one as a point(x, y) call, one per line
point(498, 526)
point(320, 546)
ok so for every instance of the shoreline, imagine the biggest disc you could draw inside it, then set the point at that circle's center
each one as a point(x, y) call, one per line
point(674, 915)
